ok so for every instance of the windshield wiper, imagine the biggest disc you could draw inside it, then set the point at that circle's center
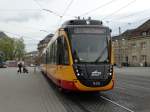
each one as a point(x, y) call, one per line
point(104, 50)
point(101, 54)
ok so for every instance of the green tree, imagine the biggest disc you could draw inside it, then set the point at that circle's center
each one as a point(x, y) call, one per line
point(19, 48)
point(7, 46)
point(12, 48)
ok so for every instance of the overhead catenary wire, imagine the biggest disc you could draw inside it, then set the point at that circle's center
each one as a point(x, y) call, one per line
point(133, 23)
point(43, 9)
point(38, 4)
point(97, 8)
point(64, 13)
point(66, 9)
point(118, 10)
point(134, 14)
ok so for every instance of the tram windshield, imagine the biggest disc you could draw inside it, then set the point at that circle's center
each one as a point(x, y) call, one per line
point(90, 47)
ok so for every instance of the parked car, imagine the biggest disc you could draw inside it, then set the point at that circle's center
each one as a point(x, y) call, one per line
point(3, 65)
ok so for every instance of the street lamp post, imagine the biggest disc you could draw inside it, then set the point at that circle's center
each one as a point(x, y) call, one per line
point(119, 48)
point(47, 10)
point(44, 31)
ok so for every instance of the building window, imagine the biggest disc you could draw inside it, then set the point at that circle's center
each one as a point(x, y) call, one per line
point(144, 33)
point(143, 58)
point(63, 54)
point(134, 58)
point(133, 45)
point(143, 45)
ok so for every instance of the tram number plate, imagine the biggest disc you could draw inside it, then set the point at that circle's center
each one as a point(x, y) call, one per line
point(96, 83)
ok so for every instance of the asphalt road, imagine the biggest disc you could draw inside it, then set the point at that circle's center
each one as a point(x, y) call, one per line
point(34, 92)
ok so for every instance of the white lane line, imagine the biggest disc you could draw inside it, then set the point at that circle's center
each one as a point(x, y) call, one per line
point(117, 104)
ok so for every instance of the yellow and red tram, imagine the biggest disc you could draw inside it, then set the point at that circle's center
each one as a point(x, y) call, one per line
point(79, 56)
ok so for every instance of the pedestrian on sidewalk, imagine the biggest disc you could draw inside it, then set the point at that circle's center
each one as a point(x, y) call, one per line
point(19, 67)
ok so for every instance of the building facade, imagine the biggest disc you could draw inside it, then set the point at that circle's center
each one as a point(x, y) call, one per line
point(31, 58)
point(131, 48)
point(43, 44)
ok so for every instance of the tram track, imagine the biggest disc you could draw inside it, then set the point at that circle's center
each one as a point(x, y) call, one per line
point(66, 99)
point(129, 95)
point(86, 102)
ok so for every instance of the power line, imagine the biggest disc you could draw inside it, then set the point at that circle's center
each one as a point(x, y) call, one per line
point(39, 5)
point(68, 6)
point(133, 14)
point(118, 10)
point(101, 6)
point(133, 23)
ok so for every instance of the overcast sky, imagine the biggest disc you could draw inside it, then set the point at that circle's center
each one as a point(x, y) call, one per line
point(25, 18)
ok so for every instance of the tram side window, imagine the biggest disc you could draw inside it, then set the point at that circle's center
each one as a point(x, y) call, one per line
point(62, 52)
point(66, 50)
point(48, 56)
point(51, 55)
point(44, 58)
point(55, 52)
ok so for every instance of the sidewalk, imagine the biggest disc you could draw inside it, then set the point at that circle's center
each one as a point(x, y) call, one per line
point(26, 93)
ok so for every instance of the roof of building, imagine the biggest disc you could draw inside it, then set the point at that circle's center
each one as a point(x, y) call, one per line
point(46, 39)
point(145, 27)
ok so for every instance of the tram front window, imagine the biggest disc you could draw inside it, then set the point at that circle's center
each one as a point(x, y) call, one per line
point(90, 48)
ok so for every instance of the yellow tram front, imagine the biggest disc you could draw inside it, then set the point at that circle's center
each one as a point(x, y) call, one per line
point(90, 51)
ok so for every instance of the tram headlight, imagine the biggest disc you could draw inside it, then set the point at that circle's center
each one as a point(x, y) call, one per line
point(78, 74)
point(110, 70)
point(110, 74)
point(77, 70)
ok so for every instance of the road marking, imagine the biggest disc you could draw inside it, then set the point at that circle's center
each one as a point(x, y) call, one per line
point(116, 104)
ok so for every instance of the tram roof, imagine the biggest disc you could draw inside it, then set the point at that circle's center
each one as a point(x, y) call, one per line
point(73, 23)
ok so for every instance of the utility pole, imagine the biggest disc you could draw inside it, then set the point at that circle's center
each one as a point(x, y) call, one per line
point(119, 48)
point(119, 30)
